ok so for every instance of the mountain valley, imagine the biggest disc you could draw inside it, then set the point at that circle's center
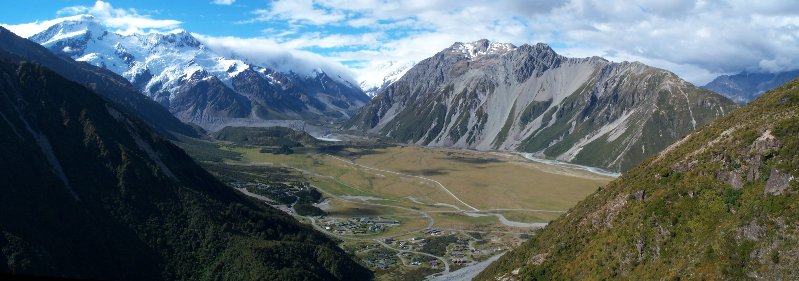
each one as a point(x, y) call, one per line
point(353, 140)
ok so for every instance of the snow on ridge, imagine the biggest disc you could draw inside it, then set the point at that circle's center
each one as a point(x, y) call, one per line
point(168, 56)
point(375, 79)
point(152, 50)
point(64, 35)
point(482, 47)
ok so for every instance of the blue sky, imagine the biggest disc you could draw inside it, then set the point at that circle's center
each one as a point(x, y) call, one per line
point(197, 15)
point(697, 39)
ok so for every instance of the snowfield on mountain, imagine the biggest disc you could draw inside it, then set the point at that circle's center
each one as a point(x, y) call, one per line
point(198, 84)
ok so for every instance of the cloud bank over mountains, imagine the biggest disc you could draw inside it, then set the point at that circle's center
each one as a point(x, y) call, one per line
point(697, 39)
point(260, 51)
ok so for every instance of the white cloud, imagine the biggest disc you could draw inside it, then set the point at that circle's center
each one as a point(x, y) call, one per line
point(697, 39)
point(267, 52)
point(298, 11)
point(124, 21)
point(370, 40)
point(223, 2)
point(719, 38)
point(26, 30)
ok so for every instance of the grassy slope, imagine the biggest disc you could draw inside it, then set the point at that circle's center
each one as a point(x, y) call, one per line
point(679, 216)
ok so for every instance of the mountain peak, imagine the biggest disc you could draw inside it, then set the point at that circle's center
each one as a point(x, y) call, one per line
point(481, 48)
point(529, 98)
point(70, 27)
point(537, 48)
point(176, 38)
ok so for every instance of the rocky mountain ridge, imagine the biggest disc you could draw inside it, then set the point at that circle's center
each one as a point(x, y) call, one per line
point(484, 95)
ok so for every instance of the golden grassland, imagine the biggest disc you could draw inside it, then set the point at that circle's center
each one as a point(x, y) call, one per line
point(489, 181)
point(480, 179)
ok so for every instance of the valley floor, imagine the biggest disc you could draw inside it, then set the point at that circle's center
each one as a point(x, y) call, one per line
point(411, 213)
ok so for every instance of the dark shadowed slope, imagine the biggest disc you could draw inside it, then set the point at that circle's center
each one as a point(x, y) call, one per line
point(266, 136)
point(89, 191)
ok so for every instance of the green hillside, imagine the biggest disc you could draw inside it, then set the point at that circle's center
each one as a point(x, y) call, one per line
point(265, 136)
point(720, 204)
point(89, 191)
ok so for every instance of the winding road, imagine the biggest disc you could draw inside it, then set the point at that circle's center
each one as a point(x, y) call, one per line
point(430, 221)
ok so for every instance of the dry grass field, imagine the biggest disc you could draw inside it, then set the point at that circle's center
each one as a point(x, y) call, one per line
point(488, 180)
point(488, 202)
point(406, 176)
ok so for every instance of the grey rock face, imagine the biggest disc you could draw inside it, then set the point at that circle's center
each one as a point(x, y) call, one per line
point(486, 96)
point(777, 182)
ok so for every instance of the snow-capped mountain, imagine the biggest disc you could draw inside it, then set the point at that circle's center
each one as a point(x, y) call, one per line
point(196, 83)
point(379, 78)
point(484, 95)
point(480, 48)
point(112, 87)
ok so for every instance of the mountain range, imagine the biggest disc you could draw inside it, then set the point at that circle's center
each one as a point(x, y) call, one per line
point(487, 95)
point(200, 85)
point(746, 86)
point(718, 204)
